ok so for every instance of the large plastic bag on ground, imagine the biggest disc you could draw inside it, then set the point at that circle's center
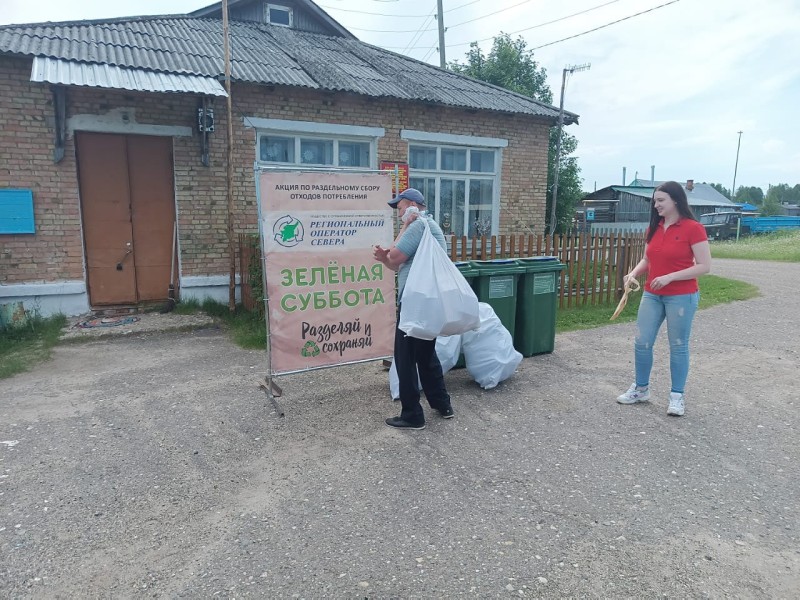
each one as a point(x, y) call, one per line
point(489, 351)
point(447, 349)
point(437, 300)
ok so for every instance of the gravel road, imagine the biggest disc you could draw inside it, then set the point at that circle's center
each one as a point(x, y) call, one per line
point(151, 466)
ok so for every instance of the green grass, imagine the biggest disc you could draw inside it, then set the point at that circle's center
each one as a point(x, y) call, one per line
point(248, 329)
point(713, 290)
point(781, 246)
point(24, 346)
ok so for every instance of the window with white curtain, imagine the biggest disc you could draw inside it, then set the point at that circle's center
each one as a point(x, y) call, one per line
point(461, 186)
point(311, 150)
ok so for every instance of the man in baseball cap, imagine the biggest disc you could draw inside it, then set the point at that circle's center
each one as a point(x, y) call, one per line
point(415, 359)
point(409, 194)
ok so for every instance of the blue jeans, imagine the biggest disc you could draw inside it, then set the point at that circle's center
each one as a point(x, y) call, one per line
point(679, 312)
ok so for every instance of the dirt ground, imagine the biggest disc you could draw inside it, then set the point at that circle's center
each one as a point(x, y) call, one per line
point(150, 465)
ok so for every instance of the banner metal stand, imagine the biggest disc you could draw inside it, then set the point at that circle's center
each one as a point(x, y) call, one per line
point(268, 385)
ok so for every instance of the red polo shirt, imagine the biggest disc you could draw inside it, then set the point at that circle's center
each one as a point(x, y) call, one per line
point(670, 250)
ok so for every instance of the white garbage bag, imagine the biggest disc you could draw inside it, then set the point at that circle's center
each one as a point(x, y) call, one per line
point(489, 351)
point(437, 300)
point(448, 350)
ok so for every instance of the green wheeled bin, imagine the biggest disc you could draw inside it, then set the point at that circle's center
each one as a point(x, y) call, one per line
point(469, 274)
point(536, 305)
point(496, 285)
point(467, 270)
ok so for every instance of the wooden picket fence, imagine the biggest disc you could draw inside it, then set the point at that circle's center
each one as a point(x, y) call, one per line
point(594, 262)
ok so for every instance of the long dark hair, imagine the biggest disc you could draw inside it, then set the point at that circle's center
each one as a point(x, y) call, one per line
point(675, 191)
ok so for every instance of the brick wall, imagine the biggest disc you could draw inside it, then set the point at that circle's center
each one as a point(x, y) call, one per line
point(524, 168)
point(55, 251)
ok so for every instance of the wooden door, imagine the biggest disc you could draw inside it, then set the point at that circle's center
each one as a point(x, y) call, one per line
point(106, 215)
point(128, 212)
point(152, 213)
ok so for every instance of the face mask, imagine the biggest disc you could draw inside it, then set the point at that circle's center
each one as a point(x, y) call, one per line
point(411, 210)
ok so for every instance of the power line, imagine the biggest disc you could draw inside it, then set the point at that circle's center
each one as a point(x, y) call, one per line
point(374, 14)
point(363, 12)
point(420, 31)
point(461, 6)
point(493, 13)
point(390, 30)
point(429, 53)
point(527, 28)
point(449, 26)
point(582, 12)
point(603, 26)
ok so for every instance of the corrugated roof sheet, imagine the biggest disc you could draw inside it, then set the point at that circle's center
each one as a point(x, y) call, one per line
point(262, 54)
point(70, 72)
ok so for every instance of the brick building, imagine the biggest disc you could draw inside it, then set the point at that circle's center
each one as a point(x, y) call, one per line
point(103, 155)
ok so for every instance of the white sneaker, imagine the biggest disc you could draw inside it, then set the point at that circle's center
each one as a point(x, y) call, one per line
point(676, 408)
point(634, 395)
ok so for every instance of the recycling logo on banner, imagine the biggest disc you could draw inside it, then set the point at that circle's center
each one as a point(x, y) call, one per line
point(288, 231)
point(310, 350)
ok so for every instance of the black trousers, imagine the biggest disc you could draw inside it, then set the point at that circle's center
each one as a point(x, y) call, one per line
point(412, 355)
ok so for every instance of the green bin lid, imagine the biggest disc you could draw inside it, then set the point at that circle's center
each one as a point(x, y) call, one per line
point(494, 262)
point(465, 267)
point(506, 265)
point(538, 259)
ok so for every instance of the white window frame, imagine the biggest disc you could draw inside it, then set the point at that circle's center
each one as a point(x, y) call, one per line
point(288, 9)
point(319, 131)
point(441, 141)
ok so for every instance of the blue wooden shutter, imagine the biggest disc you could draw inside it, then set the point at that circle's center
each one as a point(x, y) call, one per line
point(16, 211)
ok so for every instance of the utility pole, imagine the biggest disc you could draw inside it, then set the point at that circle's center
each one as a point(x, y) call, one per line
point(570, 69)
point(736, 168)
point(440, 20)
point(229, 158)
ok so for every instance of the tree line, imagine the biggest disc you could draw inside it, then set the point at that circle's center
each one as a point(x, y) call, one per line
point(511, 65)
point(769, 203)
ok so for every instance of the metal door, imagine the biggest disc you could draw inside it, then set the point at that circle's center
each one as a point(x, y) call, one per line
point(128, 212)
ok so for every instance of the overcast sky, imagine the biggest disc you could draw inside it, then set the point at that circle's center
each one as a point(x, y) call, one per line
point(670, 88)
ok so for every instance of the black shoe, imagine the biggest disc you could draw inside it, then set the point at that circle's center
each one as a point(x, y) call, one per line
point(447, 413)
point(399, 423)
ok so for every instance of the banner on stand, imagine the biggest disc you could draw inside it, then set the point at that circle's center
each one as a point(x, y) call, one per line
point(330, 302)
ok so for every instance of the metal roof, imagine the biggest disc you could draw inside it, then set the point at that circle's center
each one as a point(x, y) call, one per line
point(68, 72)
point(701, 194)
point(262, 54)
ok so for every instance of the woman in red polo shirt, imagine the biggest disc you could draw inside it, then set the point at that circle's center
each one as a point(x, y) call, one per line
point(677, 252)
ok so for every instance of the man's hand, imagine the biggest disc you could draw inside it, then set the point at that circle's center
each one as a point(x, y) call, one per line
point(380, 254)
point(391, 257)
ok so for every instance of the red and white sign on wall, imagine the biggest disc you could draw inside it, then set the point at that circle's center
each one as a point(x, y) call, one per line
point(399, 175)
point(330, 303)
